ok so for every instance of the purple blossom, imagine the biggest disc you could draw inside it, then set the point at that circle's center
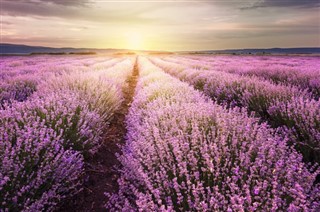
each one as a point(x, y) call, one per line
point(186, 153)
point(46, 137)
point(261, 96)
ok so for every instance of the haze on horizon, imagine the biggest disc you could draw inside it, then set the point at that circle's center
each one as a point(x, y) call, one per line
point(161, 25)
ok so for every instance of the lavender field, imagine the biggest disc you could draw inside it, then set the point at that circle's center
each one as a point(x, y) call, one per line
point(159, 133)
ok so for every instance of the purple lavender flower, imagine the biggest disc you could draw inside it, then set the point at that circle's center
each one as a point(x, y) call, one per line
point(186, 153)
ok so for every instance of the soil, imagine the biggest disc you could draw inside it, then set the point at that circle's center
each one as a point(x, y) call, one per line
point(101, 172)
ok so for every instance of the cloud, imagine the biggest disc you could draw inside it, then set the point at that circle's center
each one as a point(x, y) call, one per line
point(283, 25)
point(67, 2)
point(43, 40)
point(78, 11)
point(253, 4)
point(284, 3)
point(6, 22)
point(167, 24)
point(57, 2)
point(35, 8)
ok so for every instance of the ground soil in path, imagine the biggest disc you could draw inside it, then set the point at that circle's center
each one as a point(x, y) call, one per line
point(101, 174)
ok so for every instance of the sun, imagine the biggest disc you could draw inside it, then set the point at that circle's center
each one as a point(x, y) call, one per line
point(134, 41)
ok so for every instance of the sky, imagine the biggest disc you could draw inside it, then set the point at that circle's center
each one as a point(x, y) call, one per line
point(171, 25)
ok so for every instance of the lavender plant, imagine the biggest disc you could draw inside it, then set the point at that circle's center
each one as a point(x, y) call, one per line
point(302, 72)
point(258, 96)
point(186, 153)
point(17, 90)
point(46, 139)
point(36, 172)
point(300, 119)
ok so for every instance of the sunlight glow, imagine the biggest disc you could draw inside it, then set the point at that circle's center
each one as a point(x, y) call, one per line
point(135, 41)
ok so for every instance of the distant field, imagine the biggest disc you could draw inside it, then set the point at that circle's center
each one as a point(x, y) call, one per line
point(159, 133)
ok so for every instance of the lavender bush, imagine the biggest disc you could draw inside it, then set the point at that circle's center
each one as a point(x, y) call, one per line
point(258, 96)
point(18, 90)
point(300, 118)
point(20, 77)
point(36, 172)
point(46, 139)
point(186, 153)
point(60, 120)
point(298, 71)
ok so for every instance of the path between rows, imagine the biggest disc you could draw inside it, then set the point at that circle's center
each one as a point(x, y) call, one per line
point(101, 175)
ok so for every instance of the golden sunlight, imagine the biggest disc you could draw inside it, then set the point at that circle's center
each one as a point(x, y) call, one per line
point(135, 41)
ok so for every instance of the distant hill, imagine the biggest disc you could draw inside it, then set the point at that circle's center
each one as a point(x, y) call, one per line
point(302, 50)
point(6, 48)
point(17, 49)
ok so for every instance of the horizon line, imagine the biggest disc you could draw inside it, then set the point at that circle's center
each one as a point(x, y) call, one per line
point(202, 50)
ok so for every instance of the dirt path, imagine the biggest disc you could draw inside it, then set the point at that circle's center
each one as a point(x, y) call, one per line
point(101, 175)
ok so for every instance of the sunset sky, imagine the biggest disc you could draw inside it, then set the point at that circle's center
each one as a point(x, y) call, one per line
point(162, 25)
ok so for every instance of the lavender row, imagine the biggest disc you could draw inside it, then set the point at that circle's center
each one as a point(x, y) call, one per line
point(45, 140)
point(19, 83)
point(186, 153)
point(303, 72)
point(269, 101)
point(13, 66)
